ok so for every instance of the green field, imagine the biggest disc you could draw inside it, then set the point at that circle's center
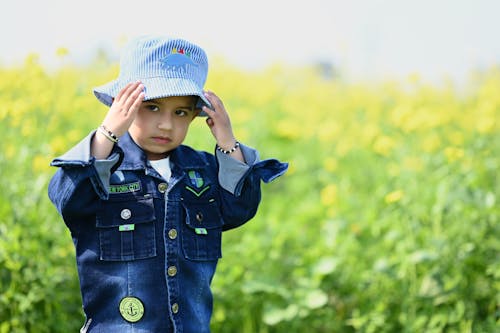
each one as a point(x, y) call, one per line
point(387, 221)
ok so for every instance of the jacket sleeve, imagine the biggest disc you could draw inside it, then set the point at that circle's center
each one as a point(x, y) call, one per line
point(241, 184)
point(80, 180)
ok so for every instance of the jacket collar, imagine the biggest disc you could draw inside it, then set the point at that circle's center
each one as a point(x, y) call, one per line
point(134, 157)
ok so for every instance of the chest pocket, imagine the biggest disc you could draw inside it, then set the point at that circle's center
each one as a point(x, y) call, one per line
point(202, 233)
point(127, 230)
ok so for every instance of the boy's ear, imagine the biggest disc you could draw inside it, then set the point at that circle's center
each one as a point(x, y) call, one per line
point(196, 113)
point(195, 109)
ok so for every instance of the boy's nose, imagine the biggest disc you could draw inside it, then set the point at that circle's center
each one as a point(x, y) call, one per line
point(165, 121)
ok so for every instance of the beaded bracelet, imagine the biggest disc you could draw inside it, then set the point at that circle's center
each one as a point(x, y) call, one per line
point(236, 145)
point(108, 134)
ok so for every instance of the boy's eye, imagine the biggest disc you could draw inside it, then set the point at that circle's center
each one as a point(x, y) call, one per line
point(181, 112)
point(152, 107)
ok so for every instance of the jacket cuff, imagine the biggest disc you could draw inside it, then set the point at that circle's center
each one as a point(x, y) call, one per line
point(103, 170)
point(79, 156)
point(232, 173)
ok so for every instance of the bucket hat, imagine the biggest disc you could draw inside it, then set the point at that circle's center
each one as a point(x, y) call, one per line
point(166, 67)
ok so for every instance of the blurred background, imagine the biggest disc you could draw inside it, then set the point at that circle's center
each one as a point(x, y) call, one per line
point(387, 111)
point(360, 38)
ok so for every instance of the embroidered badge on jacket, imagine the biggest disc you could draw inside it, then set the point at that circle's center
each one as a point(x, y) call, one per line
point(131, 309)
point(197, 181)
point(125, 188)
point(195, 178)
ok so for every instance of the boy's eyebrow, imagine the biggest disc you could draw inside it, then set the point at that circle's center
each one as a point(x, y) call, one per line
point(189, 108)
point(154, 100)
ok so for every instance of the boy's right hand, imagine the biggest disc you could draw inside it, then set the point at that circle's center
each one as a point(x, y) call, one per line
point(118, 119)
point(124, 108)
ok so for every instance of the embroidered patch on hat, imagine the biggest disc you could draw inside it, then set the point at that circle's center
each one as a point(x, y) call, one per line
point(131, 309)
point(125, 188)
point(178, 60)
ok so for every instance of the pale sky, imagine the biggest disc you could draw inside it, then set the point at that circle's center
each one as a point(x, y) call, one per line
point(364, 38)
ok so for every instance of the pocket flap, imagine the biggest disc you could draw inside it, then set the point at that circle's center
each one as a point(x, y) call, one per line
point(114, 214)
point(203, 216)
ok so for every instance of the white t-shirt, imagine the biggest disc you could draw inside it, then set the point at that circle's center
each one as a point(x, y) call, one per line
point(163, 167)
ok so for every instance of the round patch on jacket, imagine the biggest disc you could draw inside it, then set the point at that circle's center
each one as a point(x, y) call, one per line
point(131, 309)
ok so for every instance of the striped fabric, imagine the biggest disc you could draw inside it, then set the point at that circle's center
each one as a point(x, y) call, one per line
point(166, 67)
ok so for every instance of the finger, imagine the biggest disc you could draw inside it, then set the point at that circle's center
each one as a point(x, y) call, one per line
point(137, 103)
point(213, 99)
point(133, 97)
point(210, 122)
point(121, 92)
point(125, 93)
point(207, 110)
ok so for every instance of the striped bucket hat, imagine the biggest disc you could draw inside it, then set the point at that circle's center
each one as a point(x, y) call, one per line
point(165, 66)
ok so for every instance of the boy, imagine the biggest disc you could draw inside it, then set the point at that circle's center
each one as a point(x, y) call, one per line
point(145, 212)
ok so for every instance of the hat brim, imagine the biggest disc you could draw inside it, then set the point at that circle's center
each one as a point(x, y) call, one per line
point(155, 87)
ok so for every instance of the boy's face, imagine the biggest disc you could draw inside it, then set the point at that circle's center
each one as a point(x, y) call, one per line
point(162, 124)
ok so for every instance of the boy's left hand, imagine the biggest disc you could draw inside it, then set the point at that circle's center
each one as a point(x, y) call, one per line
point(218, 121)
point(220, 124)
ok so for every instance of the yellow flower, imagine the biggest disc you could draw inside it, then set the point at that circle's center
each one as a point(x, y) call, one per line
point(431, 143)
point(414, 78)
point(330, 164)
point(486, 124)
point(74, 135)
point(4, 112)
point(355, 228)
point(329, 195)
point(28, 127)
point(384, 145)
point(58, 144)
point(453, 153)
point(327, 132)
point(291, 169)
point(10, 151)
point(413, 163)
point(456, 137)
point(41, 163)
point(289, 129)
point(394, 196)
point(62, 52)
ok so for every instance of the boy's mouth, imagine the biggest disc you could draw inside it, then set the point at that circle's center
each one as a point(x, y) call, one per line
point(161, 139)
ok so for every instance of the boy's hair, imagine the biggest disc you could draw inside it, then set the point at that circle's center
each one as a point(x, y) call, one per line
point(165, 66)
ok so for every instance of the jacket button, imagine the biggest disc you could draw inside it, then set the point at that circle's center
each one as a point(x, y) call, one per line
point(172, 234)
point(125, 214)
point(199, 216)
point(175, 308)
point(162, 187)
point(172, 271)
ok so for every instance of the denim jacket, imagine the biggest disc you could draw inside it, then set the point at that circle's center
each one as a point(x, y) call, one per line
point(146, 249)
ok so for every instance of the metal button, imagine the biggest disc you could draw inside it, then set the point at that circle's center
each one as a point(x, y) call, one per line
point(125, 214)
point(162, 187)
point(175, 308)
point(172, 271)
point(199, 216)
point(172, 234)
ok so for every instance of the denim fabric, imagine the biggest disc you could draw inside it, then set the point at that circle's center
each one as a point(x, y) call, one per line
point(136, 236)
